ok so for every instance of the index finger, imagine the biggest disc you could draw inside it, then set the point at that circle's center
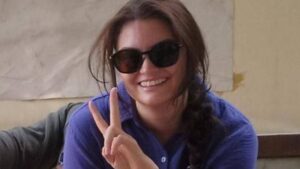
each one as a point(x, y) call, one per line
point(100, 122)
point(114, 108)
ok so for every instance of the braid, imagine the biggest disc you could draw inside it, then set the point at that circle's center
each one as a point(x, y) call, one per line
point(198, 123)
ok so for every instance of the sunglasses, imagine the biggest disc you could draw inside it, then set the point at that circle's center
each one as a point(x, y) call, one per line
point(162, 54)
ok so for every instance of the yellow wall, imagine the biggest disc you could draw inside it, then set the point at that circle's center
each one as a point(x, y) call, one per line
point(267, 63)
point(266, 66)
point(15, 113)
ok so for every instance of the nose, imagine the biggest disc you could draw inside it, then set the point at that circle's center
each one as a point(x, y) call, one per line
point(148, 66)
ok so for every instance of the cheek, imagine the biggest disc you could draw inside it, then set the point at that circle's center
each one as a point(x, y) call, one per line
point(128, 78)
point(129, 81)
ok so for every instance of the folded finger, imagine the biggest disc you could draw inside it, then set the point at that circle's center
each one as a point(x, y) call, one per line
point(125, 144)
point(109, 135)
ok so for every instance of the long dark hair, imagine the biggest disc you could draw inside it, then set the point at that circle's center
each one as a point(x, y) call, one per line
point(198, 120)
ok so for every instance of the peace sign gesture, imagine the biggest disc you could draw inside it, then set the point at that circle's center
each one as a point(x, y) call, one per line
point(120, 150)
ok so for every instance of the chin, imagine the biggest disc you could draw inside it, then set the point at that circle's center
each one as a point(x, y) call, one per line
point(153, 101)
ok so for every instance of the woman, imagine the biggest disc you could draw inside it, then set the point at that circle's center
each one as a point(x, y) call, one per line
point(161, 115)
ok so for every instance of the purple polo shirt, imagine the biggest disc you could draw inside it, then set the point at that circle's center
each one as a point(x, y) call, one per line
point(233, 145)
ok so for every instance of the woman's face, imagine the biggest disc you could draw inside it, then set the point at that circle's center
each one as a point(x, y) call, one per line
point(151, 85)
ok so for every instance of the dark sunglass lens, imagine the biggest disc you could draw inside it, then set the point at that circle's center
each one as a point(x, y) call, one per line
point(127, 61)
point(165, 54)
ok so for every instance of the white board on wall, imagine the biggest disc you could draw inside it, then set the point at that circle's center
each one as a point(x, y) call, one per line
point(44, 44)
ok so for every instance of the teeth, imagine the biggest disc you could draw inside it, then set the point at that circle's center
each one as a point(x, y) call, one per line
point(152, 82)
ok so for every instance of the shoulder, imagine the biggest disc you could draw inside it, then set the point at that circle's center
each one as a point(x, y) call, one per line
point(82, 118)
point(232, 120)
point(228, 114)
point(82, 136)
point(236, 142)
point(234, 125)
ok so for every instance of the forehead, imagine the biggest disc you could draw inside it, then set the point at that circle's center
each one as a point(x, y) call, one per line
point(143, 34)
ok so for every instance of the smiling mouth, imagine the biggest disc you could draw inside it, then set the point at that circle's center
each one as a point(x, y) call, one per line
point(151, 83)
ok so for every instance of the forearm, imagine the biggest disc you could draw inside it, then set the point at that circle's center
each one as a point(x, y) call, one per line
point(9, 149)
point(37, 146)
point(25, 147)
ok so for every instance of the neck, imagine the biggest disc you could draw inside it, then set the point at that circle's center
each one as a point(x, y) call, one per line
point(164, 121)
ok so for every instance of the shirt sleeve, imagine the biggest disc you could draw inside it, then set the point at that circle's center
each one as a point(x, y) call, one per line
point(83, 143)
point(35, 146)
point(238, 150)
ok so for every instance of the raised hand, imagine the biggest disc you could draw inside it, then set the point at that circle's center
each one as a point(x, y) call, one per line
point(120, 150)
